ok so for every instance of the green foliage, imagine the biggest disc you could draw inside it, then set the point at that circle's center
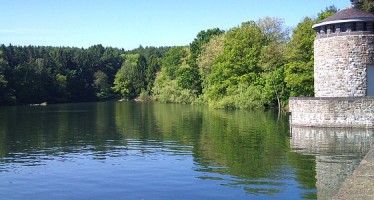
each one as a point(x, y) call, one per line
point(258, 64)
point(121, 84)
point(299, 78)
point(241, 96)
point(167, 90)
point(143, 96)
point(196, 48)
point(5, 96)
point(300, 59)
point(102, 85)
point(249, 72)
point(153, 57)
point(237, 65)
point(202, 38)
point(173, 59)
point(57, 74)
point(367, 5)
point(329, 11)
point(130, 79)
point(177, 81)
point(272, 62)
point(187, 77)
point(154, 66)
point(299, 68)
point(209, 54)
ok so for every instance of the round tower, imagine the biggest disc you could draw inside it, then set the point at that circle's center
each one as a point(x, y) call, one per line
point(344, 55)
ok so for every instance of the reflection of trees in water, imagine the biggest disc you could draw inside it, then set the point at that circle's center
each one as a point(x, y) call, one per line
point(249, 146)
point(24, 128)
point(337, 153)
point(249, 143)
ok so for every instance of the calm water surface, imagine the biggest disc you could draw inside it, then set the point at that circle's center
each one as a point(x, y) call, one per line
point(127, 150)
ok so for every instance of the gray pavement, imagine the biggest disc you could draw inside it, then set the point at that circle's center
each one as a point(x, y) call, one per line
point(360, 185)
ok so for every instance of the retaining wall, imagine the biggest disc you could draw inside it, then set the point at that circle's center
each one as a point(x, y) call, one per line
point(332, 111)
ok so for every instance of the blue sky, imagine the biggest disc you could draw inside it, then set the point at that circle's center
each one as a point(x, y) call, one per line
point(129, 23)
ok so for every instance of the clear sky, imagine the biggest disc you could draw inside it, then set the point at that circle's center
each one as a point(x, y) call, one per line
point(129, 23)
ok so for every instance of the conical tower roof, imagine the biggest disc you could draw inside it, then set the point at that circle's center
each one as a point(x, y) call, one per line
point(350, 14)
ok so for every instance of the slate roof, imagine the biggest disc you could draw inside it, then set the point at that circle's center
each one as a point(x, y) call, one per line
point(348, 14)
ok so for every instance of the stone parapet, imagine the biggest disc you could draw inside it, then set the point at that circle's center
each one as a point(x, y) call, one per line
point(332, 111)
point(336, 34)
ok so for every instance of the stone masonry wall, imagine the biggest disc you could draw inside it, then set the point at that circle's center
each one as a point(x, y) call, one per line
point(332, 112)
point(340, 65)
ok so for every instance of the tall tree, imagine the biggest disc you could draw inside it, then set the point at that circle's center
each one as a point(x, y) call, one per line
point(102, 85)
point(210, 52)
point(175, 81)
point(367, 5)
point(5, 94)
point(130, 79)
point(233, 77)
point(202, 38)
point(299, 69)
point(272, 60)
point(56, 74)
point(173, 59)
point(239, 59)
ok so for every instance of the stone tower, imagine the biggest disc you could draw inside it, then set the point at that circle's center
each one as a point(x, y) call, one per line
point(344, 55)
point(343, 74)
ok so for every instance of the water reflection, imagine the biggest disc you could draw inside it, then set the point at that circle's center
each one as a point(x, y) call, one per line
point(337, 153)
point(145, 147)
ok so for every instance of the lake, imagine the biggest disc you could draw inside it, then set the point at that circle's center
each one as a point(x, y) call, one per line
point(129, 150)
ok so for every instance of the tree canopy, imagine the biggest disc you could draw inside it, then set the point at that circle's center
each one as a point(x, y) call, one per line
point(257, 64)
point(367, 5)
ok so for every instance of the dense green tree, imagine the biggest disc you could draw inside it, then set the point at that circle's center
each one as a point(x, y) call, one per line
point(154, 66)
point(188, 78)
point(210, 52)
point(149, 51)
point(367, 5)
point(130, 79)
point(102, 85)
point(202, 38)
point(299, 68)
point(237, 67)
point(121, 84)
point(55, 74)
point(173, 59)
point(326, 13)
point(272, 61)
point(5, 95)
point(254, 65)
point(153, 57)
point(196, 46)
point(175, 81)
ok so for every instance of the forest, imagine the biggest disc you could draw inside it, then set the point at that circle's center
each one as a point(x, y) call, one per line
point(255, 65)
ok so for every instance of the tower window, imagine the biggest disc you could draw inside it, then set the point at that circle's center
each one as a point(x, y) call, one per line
point(343, 28)
point(333, 29)
point(354, 26)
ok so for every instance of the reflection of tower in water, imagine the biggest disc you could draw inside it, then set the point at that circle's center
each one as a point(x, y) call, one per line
point(338, 152)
